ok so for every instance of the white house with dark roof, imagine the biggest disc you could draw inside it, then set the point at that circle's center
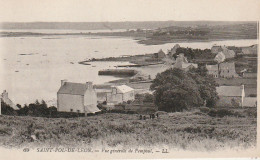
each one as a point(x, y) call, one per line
point(230, 95)
point(77, 97)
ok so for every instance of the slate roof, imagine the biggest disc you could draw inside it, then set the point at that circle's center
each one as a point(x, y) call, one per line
point(229, 91)
point(124, 89)
point(73, 88)
point(212, 67)
point(102, 86)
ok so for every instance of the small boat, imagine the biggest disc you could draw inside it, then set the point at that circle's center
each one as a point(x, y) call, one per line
point(16, 71)
point(71, 63)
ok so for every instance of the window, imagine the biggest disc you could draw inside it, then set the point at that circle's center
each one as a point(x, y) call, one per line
point(71, 110)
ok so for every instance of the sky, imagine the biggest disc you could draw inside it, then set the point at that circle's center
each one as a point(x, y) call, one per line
point(128, 10)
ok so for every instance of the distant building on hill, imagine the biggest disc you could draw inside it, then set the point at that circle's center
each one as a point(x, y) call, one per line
point(77, 97)
point(230, 95)
point(160, 54)
point(227, 70)
point(213, 70)
point(4, 98)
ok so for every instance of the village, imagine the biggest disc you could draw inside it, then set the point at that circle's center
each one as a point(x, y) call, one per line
point(234, 71)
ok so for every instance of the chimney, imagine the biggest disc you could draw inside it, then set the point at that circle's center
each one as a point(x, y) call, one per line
point(89, 85)
point(63, 82)
point(5, 94)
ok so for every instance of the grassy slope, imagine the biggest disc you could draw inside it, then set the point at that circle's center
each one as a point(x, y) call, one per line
point(188, 131)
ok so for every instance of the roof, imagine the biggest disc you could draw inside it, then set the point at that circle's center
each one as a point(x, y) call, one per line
point(250, 101)
point(227, 65)
point(124, 89)
point(212, 67)
point(230, 91)
point(186, 65)
point(102, 86)
point(73, 88)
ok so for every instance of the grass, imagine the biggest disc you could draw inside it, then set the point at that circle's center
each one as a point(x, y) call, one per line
point(194, 131)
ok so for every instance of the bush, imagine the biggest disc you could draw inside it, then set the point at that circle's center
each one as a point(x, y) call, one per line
point(204, 109)
point(221, 113)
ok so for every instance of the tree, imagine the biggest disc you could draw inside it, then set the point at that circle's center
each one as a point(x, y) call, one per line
point(177, 90)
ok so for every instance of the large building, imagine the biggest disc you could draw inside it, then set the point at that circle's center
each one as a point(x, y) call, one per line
point(230, 95)
point(77, 97)
point(227, 70)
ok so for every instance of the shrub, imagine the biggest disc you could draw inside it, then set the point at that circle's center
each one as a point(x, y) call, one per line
point(204, 109)
point(220, 113)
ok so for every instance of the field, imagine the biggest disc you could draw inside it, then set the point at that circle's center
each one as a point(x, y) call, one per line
point(192, 130)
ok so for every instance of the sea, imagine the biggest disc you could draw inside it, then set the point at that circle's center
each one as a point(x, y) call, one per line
point(32, 67)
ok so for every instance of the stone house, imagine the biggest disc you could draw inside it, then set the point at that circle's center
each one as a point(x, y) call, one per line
point(227, 70)
point(160, 54)
point(213, 70)
point(77, 97)
point(102, 91)
point(230, 95)
point(120, 94)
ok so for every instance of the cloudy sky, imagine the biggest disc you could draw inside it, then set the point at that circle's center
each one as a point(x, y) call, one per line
point(127, 10)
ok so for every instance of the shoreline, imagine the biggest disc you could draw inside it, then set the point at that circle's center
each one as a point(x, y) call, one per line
point(141, 39)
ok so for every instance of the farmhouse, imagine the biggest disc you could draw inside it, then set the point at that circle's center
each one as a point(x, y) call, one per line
point(121, 94)
point(77, 97)
point(230, 95)
point(227, 70)
point(160, 54)
point(213, 70)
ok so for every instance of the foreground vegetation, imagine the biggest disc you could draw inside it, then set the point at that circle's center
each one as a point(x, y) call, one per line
point(194, 130)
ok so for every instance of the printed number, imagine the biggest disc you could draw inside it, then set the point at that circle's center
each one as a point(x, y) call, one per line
point(26, 149)
point(165, 151)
